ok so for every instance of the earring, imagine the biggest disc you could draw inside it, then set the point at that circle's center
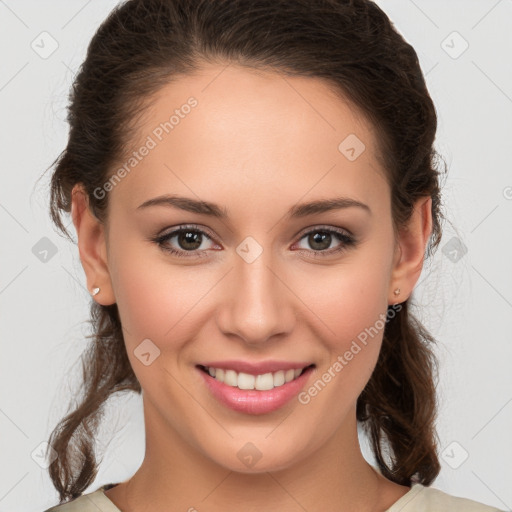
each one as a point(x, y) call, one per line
point(397, 291)
point(95, 291)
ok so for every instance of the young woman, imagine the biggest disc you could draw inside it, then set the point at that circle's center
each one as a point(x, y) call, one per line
point(254, 188)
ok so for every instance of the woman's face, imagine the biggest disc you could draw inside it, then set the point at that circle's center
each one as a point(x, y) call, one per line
point(261, 283)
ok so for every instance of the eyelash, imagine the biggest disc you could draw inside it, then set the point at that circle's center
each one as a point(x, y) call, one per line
point(160, 240)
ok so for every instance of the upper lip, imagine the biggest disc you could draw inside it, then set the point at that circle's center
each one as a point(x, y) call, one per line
point(254, 368)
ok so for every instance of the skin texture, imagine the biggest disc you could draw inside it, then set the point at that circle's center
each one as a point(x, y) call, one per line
point(256, 144)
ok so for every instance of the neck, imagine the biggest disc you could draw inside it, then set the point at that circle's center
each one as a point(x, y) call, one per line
point(176, 476)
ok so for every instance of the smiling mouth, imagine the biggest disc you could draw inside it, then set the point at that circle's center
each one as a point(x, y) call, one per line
point(261, 382)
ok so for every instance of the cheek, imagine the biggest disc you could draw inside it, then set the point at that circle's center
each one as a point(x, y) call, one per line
point(344, 300)
point(152, 295)
point(348, 304)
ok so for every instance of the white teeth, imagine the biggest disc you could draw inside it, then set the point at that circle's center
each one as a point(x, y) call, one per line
point(262, 382)
point(246, 381)
point(278, 378)
point(230, 378)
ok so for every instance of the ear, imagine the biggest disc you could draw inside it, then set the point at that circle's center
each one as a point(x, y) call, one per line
point(410, 250)
point(91, 246)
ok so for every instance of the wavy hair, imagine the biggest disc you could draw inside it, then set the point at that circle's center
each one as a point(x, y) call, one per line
point(351, 44)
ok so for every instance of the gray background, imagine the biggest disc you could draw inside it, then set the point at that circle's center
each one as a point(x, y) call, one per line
point(465, 298)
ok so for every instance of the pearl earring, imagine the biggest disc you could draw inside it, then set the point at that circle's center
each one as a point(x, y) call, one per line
point(95, 291)
point(397, 291)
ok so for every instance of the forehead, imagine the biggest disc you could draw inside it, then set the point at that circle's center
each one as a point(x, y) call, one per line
point(260, 132)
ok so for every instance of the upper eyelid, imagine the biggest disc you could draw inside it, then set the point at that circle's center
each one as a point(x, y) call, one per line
point(320, 227)
point(176, 230)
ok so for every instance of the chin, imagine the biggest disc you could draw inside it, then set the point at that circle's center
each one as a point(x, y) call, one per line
point(261, 455)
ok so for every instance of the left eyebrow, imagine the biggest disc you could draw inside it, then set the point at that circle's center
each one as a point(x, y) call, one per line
point(214, 210)
point(321, 206)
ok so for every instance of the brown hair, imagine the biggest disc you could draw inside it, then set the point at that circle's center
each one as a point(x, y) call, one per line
point(143, 45)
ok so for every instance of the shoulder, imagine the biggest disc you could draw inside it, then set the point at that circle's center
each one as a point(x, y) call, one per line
point(428, 499)
point(91, 502)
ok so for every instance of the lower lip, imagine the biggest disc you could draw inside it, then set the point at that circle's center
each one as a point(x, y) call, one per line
point(252, 401)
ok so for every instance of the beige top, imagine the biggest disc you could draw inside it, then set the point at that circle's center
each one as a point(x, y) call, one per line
point(418, 499)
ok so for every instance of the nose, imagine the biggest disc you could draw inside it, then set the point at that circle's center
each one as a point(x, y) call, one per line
point(258, 305)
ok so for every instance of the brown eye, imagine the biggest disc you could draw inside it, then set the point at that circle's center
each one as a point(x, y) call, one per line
point(188, 242)
point(320, 240)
